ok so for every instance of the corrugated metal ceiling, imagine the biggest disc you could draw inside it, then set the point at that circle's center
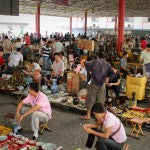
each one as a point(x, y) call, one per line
point(95, 8)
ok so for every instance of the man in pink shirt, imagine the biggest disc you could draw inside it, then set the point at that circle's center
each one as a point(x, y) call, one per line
point(114, 135)
point(40, 110)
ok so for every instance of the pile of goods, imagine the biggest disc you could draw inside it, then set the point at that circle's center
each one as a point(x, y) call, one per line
point(66, 98)
point(140, 113)
point(4, 130)
point(13, 82)
point(18, 142)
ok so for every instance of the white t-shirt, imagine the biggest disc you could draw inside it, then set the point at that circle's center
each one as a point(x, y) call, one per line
point(84, 72)
point(36, 67)
point(57, 67)
point(58, 47)
point(146, 57)
point(15, 58)
point(18, 45)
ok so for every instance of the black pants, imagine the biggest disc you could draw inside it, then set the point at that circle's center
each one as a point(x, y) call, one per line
point(116, 89)
point(102, 143)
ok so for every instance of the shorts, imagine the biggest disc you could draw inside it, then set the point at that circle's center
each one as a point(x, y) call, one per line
point(96, 94)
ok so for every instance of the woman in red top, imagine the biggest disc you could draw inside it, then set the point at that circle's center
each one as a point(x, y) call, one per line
point(143, 43)
point(2, 66)
point(27, 39)
point(1, 56)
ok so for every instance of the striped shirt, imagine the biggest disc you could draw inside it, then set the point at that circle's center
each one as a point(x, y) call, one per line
point(46, 51)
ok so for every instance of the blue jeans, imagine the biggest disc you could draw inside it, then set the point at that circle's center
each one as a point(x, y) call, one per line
point(46, 63)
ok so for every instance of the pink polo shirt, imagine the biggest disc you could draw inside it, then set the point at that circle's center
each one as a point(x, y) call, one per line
point(111, 120)
point(41, 100)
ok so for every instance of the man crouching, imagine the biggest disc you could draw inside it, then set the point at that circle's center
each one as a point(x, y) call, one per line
point(40, 109)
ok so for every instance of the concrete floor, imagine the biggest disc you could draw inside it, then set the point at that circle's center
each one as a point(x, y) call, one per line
point(66, 128)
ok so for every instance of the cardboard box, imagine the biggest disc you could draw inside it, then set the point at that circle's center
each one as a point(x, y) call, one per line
point(89, 45)
point(73, 83)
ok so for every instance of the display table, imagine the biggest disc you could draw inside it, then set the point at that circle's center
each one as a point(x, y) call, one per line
point(18, 142)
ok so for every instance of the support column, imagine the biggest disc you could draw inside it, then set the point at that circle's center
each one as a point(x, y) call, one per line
point(85, 22)
point(121, 18)
point(37, 20)
point(71, 25)
point(115, 23)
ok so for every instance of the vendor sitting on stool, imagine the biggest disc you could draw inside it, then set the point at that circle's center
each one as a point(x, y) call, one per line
point(125, 68)
point(57, 69)
point(114, 83)
point(40, 110)
point(114, 136)
point(33, 70)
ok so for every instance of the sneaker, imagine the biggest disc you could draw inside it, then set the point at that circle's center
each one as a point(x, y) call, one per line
point(20, 131)
point(17, 129)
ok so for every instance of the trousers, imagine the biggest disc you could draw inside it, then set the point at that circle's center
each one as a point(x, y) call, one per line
point(102, 143)
point(116, 89)
point(36, 118)
point(96, 94)
point(46, 63)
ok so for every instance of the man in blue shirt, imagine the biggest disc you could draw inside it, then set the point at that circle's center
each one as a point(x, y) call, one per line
point(99, 70)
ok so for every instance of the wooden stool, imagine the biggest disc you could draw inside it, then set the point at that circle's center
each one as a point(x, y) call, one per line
point(8, 119)
point(43, 126)
point(125, 147)
point(137, 128)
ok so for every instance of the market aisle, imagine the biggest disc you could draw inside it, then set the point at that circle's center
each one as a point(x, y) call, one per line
point(66, 128)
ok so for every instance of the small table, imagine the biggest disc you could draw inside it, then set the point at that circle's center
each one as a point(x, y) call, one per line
point(137, 128)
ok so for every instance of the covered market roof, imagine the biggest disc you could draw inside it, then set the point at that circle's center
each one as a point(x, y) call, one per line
point(97, 8)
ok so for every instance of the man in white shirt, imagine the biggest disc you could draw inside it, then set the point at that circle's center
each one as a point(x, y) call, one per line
point(58, 66)
point(58, 69)
point(7, 48)
point(18, 43)
point(15, 58)
point(32, 66)
point(58, 47)
point(34, 71)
